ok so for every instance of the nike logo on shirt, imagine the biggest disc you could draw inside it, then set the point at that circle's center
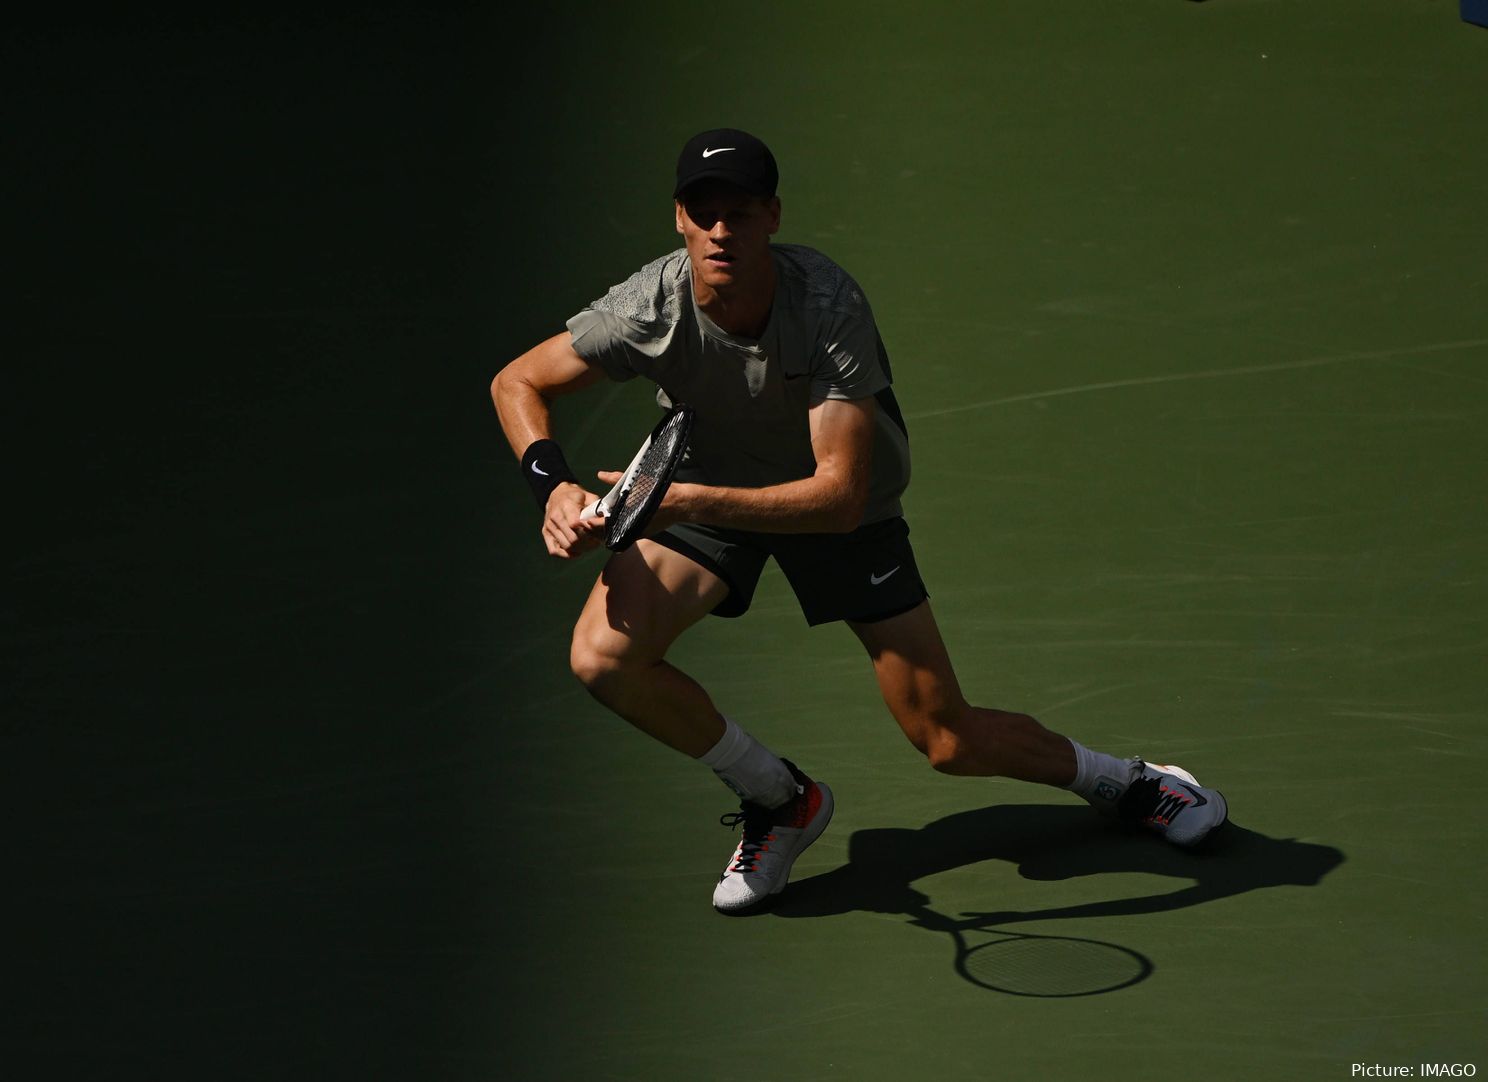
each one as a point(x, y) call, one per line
point(718, 150)
point(879, 579)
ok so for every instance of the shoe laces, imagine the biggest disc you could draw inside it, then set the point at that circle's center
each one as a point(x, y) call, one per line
point(758, 822)
point(1148, 800)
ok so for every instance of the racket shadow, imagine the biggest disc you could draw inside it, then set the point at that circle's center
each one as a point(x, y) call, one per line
point(1046, 843)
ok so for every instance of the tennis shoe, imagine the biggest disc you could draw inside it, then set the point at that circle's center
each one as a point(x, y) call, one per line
point(1170, 801)
point(772, 840)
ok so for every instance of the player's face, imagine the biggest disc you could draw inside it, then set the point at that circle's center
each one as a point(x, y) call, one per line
point(727, 232)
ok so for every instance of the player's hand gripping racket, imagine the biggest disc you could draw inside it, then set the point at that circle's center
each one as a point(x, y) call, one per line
point(627, 508)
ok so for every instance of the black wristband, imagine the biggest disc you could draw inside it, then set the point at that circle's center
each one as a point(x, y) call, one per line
point(545, 469)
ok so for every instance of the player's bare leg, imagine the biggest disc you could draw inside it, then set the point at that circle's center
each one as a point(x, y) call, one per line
point(642, 601)
point(645, 598)
point(920, 688)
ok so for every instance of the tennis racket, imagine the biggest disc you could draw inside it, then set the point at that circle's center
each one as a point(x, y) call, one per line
point(1040, 966)
point(627, 508)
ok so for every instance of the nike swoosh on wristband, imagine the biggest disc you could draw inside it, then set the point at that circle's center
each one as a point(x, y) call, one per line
point(708, 153)
point(879, 579)
point(542, 472)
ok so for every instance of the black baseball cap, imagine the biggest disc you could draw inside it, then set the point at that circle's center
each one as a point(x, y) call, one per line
point(731, 155)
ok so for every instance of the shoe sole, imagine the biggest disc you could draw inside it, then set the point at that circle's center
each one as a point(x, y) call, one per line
point(808, 838)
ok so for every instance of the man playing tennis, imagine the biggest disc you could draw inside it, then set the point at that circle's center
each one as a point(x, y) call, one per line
point(799, 452)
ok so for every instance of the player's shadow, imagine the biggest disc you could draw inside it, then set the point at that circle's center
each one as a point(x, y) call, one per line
point(1049, 842)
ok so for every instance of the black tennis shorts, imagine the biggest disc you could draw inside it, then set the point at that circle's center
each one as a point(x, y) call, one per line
point(864, 576)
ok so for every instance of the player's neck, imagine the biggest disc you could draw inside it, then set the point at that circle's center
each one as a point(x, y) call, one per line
point(742, 308)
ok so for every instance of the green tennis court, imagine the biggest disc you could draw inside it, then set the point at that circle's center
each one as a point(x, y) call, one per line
point(1188, 311)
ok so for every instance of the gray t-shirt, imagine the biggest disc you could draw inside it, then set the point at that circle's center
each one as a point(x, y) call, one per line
point(752, 396)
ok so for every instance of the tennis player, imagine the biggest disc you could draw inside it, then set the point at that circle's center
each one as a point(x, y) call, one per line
point(800, 453)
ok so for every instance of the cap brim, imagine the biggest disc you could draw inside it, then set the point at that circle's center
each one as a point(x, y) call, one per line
point(743, 183)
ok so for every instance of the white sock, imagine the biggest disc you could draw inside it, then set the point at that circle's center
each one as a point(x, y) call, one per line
point(749, 768)
point(1099, 778)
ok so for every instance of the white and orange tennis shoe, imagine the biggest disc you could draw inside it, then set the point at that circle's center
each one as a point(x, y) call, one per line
point(1170, 801)
point(772, 840)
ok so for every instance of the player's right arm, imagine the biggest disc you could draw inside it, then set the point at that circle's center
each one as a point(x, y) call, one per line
point(523, 392)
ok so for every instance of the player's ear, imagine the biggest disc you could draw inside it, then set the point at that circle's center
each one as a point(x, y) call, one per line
point(772, 207)
point(677, 206)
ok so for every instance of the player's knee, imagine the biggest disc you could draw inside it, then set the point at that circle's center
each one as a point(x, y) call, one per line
point(944, 749)
point(978, 742)
point(595, 666)
point(935, 734)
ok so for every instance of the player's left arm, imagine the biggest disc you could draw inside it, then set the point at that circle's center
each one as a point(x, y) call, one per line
point(831, 500)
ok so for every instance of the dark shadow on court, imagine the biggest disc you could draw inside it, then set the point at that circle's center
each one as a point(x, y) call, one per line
point(1047, 842)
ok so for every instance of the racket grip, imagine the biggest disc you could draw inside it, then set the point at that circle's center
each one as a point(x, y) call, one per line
point(594, 510)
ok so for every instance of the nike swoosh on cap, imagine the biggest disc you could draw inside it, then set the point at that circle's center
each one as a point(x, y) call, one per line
point(709, 152)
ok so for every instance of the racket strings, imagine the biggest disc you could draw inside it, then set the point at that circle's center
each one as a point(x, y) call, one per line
point(652, 475)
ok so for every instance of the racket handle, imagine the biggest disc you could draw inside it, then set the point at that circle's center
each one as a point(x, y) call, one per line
point(594, 510)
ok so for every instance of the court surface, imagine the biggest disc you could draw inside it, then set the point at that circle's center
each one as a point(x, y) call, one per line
point(1188, 310)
